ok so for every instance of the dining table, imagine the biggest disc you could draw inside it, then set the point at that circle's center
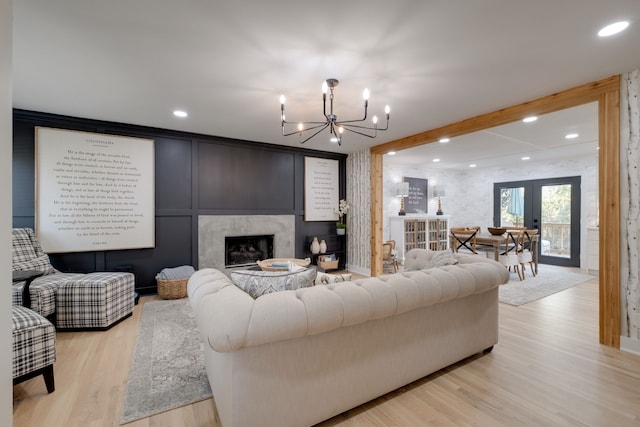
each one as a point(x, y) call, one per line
point(495, 241)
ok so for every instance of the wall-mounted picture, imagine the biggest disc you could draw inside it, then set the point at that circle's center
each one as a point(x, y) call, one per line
point(321, 189)
point(416, 202)
point(94, 192)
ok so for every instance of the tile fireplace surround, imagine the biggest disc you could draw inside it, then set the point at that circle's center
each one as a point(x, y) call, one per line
point(212, 229)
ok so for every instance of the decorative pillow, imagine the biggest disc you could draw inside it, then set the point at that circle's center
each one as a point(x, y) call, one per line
point(440, 259)
point(41, 263)
point(258, 283)
point(22, 245)
point(325, 278)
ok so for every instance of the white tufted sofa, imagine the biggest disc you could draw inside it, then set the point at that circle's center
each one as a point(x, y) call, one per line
point(295, 358)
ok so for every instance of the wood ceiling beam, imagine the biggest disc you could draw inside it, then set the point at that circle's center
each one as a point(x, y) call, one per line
point(607, 93)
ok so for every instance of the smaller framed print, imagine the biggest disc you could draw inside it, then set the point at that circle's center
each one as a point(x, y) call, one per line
point(417, 200)
point(321, 189)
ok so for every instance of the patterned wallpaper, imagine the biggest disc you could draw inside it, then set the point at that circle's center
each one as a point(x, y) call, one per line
point(630, 205)
point(359, 217)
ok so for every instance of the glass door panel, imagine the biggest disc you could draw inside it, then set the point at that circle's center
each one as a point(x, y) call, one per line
point(511, 206)
point(555, 227)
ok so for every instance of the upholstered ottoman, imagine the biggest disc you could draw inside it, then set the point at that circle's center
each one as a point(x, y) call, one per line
point(42, 292)
point(94, 300)
point(34, 346)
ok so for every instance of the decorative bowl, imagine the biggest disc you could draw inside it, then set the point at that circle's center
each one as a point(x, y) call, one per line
point(281, 264)
point(496, 231)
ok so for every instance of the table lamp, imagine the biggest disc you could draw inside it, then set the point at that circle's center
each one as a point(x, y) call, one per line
point(402, 191)
point(438, 191)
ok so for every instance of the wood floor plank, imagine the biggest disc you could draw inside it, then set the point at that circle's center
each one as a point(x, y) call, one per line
point(548, 369)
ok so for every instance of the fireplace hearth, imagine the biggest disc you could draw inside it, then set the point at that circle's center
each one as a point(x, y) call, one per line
point(241, 251)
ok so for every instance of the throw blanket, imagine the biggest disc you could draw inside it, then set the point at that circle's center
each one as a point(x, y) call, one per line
point(181, 272)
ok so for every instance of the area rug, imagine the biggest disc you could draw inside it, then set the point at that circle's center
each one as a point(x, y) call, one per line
point(167, 370)
point(549, 280)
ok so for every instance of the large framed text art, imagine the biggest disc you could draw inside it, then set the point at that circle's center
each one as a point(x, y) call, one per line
point(94, 192)
point(321, 189)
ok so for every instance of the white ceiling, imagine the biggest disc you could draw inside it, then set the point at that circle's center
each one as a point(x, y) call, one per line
point(508, 145)
point(227, 63)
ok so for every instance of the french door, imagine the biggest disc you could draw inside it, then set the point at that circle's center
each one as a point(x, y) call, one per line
point(550, 205)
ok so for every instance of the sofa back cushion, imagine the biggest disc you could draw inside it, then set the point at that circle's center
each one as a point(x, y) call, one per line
point(258, 283)
point(420, 259)
point(230, 319)
point(26, 252)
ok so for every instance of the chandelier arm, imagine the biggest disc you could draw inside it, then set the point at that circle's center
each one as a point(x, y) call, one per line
point(286, 122)
point(348, 128)
point(376, 128)
point(324, 104)
point(315, 133)
point(322, 125)
point(354, 121)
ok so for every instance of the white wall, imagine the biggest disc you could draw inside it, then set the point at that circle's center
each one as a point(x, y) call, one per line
point(6, 386)
point(469, 198)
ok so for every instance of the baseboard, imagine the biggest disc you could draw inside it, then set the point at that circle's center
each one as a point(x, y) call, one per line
point(630, 345)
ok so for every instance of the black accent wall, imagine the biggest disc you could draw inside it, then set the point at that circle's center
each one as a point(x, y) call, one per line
point(194, 175)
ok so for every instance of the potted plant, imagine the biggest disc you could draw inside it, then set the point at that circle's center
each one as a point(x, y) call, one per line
point(343, 208)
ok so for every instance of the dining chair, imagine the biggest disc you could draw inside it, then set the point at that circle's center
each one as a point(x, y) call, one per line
point(464, 239)
point(510, 252)
point(526, 255)
point(394, 254)
point(388, 255)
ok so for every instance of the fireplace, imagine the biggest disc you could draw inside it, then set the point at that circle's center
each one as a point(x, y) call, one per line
point(214, 229)
point(241, 251)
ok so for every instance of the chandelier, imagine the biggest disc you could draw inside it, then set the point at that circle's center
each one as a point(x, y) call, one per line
point(307, 130)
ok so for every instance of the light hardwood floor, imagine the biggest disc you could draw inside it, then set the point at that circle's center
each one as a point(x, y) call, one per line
point(547, 370)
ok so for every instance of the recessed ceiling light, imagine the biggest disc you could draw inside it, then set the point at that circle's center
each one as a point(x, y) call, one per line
point(571, 136)
point(444, 140)
point(530, 119)
point(391, 153)
point(614, 28)
point(472, 166)
point(526, 158)
point(334, 139)
point(436, 160)
point(180, 113)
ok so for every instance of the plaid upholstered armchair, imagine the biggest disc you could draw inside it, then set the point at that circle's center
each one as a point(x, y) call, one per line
point(27, 255)
point(34, 346)
point(69, 300)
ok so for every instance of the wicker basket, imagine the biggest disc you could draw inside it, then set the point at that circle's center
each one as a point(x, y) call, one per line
point(266, 265)
point(172, 289)
point(329, 265)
